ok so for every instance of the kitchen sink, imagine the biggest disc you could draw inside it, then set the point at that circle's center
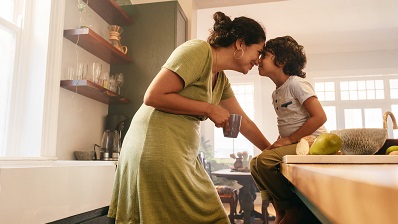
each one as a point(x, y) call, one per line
point(389, 142)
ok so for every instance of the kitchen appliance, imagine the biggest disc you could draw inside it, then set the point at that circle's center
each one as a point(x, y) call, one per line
point(111, 139)
point(110, 145)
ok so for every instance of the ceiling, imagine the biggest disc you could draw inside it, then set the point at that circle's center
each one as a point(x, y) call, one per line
point(203, 4)
point(327, 26)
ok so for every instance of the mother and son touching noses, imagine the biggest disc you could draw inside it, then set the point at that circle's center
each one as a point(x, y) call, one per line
point(159, 178)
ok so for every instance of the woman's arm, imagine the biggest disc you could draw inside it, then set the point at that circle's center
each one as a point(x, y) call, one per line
point(162, 95)
point(316, 120)
point(248, 128)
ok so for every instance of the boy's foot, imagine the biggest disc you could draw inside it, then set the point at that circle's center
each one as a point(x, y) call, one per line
point(279, 216)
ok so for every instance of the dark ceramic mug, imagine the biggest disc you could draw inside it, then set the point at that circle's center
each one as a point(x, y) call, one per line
point(234, 126)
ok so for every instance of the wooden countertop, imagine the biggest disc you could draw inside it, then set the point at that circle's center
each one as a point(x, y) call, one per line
point(348, 193)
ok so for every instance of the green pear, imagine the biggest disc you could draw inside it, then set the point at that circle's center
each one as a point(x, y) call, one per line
point(392, 149)
point(326, 144)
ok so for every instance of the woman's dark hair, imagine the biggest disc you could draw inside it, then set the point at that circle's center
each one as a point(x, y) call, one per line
point(288, 53)
point(225, 32)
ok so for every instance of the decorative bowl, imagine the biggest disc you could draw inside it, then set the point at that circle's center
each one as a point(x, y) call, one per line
point(84, 155)
point(361, 141)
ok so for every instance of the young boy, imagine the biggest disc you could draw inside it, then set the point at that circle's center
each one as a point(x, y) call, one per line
point(299, 114)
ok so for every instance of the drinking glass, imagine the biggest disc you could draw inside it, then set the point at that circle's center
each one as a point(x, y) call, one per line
point(97, 69)
point(71, 73)
point(119, 81)
point(106, 79)
point(81, 71)
point(112, 84)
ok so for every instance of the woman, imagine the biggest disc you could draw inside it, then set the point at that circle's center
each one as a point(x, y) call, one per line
point(159, 178)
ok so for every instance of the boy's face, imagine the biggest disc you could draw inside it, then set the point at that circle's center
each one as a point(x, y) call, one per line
point(266, 66)
point(250, 57)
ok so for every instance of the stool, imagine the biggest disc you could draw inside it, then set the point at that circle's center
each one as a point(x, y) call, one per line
point(228, 195)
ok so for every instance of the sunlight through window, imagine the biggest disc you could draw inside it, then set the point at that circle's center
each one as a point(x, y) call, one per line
point(223, 147)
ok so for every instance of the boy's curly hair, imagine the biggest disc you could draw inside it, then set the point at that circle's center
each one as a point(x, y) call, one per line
point(289, 54)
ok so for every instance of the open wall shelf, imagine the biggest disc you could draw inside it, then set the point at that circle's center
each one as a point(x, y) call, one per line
point(93, 91)
point(98, 46)
point(110, 11)
point(87, 39)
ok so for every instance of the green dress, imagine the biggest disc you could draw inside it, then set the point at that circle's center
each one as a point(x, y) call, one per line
point(159, 178)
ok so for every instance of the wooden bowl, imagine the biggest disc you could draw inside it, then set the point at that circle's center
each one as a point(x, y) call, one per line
point(84, 155)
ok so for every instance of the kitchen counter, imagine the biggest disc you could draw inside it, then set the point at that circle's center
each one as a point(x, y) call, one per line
point(53, 163)
point(45, 191)
point(347, 193)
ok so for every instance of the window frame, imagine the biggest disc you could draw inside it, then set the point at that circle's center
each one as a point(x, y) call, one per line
point(208, 128)
point(340, 105)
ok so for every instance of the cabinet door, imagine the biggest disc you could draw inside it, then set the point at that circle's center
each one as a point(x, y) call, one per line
point(157, 30)
point(181, 27)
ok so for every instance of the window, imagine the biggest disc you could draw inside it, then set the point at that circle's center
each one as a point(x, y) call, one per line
point(362, 90)
point(244, 93)
point(374, 118)
point(11, 14)
point(330, 112)
point(358, 102)
point(30, 44)
point(394, 110)
point(325, 91)
point(352, 118)
point(394, 88)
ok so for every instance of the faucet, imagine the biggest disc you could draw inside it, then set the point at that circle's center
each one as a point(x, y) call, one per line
point(394, 122)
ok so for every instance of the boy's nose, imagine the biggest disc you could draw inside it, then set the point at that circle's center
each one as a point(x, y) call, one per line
point(256, 61)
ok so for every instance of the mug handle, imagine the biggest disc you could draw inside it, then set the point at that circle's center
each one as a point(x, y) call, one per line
point(124, 49)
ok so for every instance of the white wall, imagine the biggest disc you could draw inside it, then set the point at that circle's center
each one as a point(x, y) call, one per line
point(353, 63)
point(80, 120)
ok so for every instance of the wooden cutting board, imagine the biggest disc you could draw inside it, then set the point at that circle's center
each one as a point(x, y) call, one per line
point(341, 159)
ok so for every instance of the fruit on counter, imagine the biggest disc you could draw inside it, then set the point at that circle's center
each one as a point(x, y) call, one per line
point(392, 150)
point(326, 144)
point(303, 146)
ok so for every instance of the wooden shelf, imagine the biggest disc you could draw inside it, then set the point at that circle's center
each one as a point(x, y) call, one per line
point(113, 14)
point(95, 44)
point(110, 11)
point(93, 91)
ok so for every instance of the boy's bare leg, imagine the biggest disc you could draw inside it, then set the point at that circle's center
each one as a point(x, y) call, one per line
point(292, 215)
point(279, 214)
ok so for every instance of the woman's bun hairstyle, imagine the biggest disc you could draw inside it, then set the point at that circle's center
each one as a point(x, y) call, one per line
point(225, 32)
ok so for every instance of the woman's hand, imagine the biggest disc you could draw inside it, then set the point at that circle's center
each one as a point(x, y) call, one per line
point(218, 115)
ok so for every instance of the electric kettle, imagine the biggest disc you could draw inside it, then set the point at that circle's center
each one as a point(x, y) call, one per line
point(110, 145)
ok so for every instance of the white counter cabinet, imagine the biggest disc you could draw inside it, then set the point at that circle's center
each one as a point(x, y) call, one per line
point(45, 191)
